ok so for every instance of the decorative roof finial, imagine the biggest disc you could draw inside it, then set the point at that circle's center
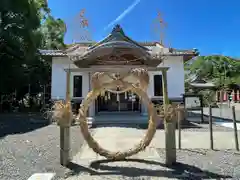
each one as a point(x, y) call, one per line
point(117, 29)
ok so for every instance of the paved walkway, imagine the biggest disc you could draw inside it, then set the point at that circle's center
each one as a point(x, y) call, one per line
point(116, 139)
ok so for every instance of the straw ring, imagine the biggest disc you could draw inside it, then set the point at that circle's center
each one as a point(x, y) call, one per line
point(152, 125)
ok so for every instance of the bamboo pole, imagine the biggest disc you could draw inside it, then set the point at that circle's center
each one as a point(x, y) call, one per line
point(210, 127)
point(65, 130)
point(235, 128)
point(169, 126)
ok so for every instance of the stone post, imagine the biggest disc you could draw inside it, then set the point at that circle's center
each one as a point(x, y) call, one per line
point(169, 126)
point(65, 130)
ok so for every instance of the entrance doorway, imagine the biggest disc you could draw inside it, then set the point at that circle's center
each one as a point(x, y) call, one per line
point(122, 102)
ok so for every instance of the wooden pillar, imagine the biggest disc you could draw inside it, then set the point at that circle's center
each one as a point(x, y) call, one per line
point(65, 130)
point(169, 126)
point(68, 74)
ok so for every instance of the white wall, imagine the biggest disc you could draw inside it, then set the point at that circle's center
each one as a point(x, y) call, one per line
point(58, 89)
point(175, 77)
point(59, 78)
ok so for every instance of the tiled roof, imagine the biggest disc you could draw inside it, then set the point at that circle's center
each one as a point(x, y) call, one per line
point(117, 38)
point(150, 45)
point(199, 85)
point(52, 52)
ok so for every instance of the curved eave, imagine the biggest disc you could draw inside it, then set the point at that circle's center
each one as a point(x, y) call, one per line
point(116, 44)
point(107, 49)
point(85, 63)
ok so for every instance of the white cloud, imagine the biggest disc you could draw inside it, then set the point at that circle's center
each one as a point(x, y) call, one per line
point(124, 13)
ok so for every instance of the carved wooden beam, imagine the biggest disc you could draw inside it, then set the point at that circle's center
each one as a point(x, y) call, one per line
point(115, 69)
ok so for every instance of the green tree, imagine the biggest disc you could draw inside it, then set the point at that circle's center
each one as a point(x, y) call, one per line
point(18, 24)
point(25, 27)
point(54, 31)
point(221, 70)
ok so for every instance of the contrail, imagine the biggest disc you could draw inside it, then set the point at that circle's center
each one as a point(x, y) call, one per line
point(124, 13)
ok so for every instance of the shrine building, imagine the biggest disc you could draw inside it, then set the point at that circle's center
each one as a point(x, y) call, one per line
point(117, 52)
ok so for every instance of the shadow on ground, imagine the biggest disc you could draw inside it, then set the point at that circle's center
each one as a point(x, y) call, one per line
point(179, 170)
point(186, 125)
point(20, 123)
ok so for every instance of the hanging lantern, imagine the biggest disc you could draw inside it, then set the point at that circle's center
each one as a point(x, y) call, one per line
point(233, 95)
point(109, 96)
point(117, 97)
point(238, 97)
point(102, 93)
point(129, 95)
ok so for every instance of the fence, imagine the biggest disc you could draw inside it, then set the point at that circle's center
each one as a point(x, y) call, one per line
point(211, 118)
point(222, 113)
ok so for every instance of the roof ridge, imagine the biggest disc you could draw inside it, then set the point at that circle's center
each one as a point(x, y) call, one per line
point(139, 42)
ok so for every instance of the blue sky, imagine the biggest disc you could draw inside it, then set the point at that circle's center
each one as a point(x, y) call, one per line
point(212, 26)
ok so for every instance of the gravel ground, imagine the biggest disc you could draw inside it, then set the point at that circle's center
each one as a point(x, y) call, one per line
point(194, 164)
point(27, 148)
point(207, 164)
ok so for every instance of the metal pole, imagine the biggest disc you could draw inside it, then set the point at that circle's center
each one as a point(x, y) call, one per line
point(132, 101)
point(44, 94)
point(210, 127)
point(119, 105)
point(29, 89)
point(221, 106)
point(180, 118)
point(235, 128)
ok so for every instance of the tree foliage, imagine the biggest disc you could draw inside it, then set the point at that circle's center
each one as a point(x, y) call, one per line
point(25, 27)
point(221, 70)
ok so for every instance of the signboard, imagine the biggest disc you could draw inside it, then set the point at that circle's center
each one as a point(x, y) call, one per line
point(192, 102)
